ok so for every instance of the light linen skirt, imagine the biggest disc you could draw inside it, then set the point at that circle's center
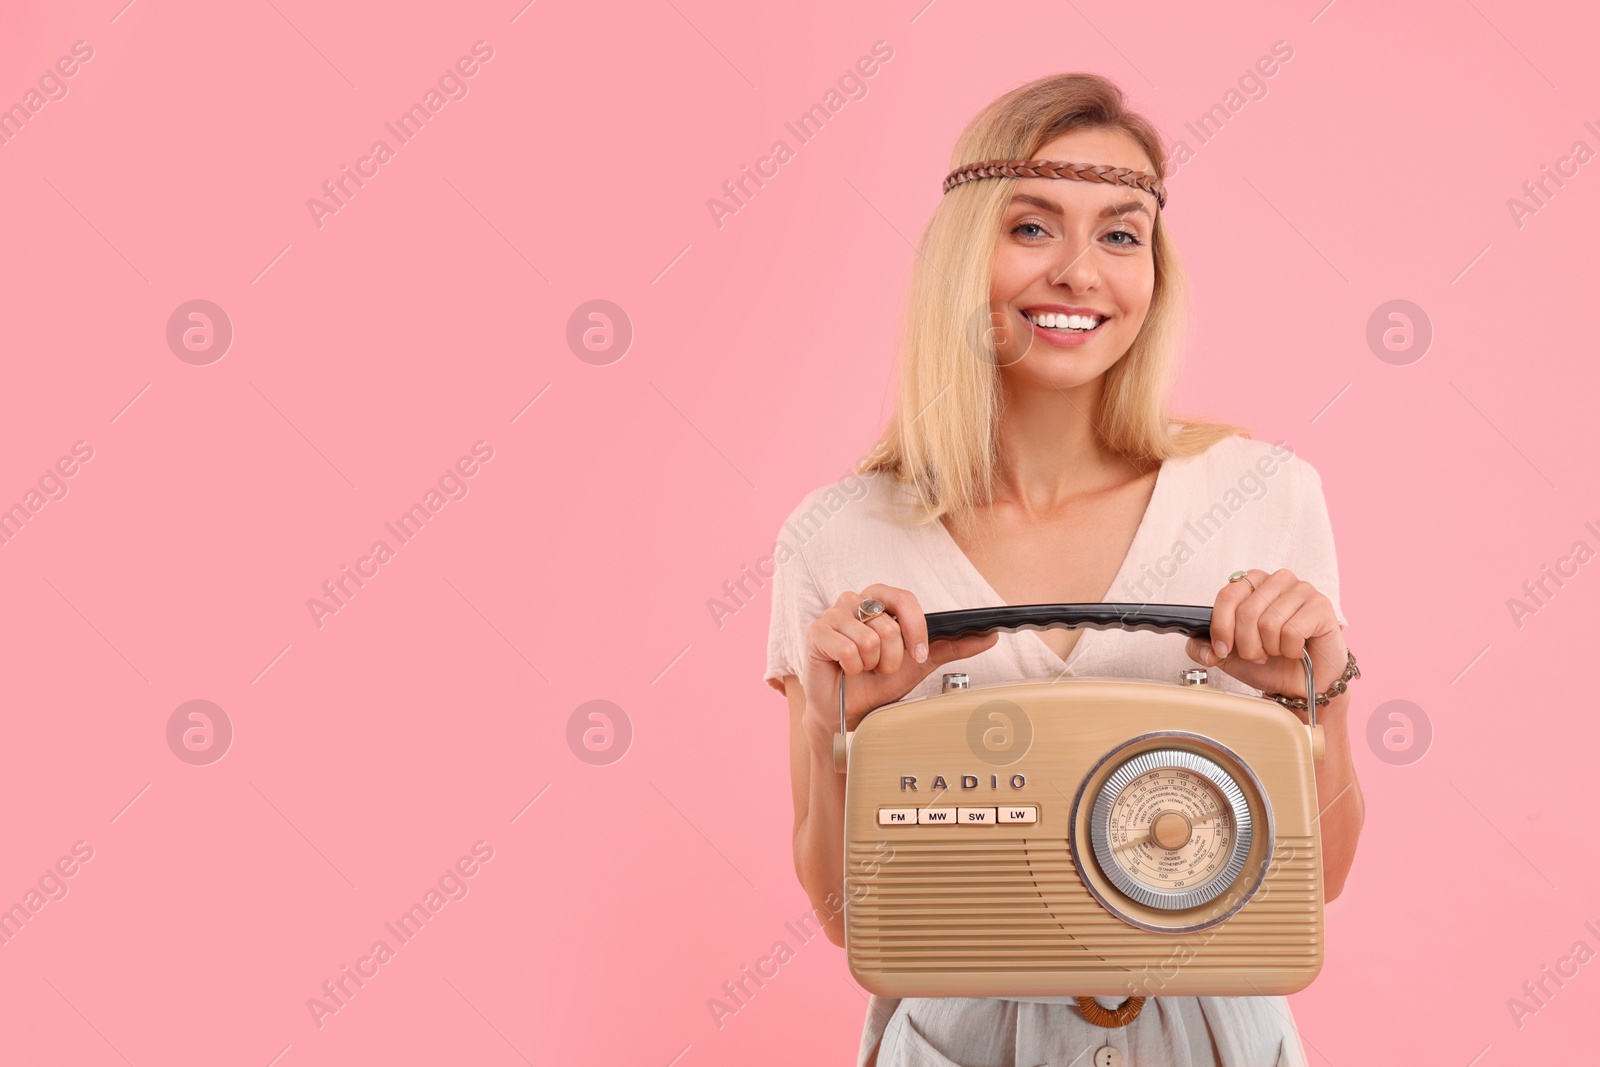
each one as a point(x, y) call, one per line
point(995, 1032)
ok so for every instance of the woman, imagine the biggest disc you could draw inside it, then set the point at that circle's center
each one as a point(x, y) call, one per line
point(1031, 460)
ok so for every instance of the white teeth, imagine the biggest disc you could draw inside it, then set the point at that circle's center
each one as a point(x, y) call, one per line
point(1057, 321)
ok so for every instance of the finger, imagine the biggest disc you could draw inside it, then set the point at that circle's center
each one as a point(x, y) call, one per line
point(1222, 613)
point(891, 646)
point(1278, 636)
point(844, 617)
point(826, 642)
point(868, 641)
point(907, 610)
point(1313, 618)
point(1247, 616)
point(849, 599)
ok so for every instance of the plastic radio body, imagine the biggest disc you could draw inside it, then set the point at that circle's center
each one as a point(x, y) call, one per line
point(1085, 837)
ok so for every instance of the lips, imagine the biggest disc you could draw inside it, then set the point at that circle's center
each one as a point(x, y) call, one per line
point(1066, 309)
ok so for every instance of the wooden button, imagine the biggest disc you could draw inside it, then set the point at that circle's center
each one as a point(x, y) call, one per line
point(1170, 830)
point(1107, 1056)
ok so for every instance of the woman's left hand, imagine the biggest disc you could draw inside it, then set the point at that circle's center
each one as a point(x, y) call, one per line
point(1257, 635)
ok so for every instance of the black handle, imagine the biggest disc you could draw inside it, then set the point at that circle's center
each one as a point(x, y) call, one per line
point(1158, 618)
point(1191, 619)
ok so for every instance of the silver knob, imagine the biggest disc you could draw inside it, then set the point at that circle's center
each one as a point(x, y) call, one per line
point(1194, 676)
point(954, 681)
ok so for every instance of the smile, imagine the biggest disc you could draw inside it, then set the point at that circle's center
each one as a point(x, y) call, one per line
point(1057, 322)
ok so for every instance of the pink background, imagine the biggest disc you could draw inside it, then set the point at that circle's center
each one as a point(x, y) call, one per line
point(369, 354)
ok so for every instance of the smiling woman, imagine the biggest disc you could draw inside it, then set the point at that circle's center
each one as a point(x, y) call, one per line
point(1032, 459)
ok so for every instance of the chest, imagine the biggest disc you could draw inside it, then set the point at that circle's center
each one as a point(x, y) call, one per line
point(1070, 557)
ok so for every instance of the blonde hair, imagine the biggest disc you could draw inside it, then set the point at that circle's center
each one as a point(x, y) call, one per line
point(943, 438)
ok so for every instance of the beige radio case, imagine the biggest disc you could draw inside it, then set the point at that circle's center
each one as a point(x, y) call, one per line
point(949, 892)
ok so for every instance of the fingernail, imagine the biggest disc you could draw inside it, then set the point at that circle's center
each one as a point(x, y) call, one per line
point(1222, 649)
point(921, 652)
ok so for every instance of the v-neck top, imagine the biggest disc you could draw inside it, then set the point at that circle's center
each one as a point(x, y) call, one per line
point(1240, 504)
point(993, 599)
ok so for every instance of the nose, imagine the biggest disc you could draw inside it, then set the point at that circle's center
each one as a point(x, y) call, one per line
point(1075, 267)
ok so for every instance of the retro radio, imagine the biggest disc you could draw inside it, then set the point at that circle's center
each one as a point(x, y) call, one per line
point(1082, 837)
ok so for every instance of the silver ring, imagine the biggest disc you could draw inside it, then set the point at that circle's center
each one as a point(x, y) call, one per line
point(1238, 576)
point(870, 609)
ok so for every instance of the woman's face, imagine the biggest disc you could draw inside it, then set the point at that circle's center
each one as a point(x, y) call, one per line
point(1070, 247)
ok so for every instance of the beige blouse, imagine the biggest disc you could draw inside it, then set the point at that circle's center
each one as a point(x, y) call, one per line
point(1241, 504)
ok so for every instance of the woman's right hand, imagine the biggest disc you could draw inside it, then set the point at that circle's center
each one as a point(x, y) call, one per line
point(884, 650)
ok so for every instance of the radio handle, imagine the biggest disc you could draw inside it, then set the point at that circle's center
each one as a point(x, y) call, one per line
point(1190, 619)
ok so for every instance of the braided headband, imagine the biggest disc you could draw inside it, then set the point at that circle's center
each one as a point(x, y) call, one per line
point(1046, 168)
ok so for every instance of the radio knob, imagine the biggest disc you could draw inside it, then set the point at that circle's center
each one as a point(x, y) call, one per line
point(1171, 831)
point(1194, 676)
point(954, 681)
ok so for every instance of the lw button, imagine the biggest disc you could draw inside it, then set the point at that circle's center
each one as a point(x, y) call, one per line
point(1107, 1056)
point(1023, 814)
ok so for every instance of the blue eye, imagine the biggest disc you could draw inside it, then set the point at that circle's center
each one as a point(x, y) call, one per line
point(1039, 232)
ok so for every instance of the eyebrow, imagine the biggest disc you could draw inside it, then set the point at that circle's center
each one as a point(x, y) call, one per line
point(1110, 211)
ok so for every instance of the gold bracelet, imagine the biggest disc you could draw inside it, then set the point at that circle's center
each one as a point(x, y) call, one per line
point(1351, 671)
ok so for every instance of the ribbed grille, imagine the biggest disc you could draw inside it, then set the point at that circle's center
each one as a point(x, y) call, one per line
point(958, 905)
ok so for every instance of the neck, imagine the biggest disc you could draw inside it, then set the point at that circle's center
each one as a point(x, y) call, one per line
point(1050, 449)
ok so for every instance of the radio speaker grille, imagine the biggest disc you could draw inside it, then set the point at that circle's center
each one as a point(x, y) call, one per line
point(957, 906)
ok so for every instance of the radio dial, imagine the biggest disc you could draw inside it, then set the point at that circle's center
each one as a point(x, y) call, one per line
point(1171, 828)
